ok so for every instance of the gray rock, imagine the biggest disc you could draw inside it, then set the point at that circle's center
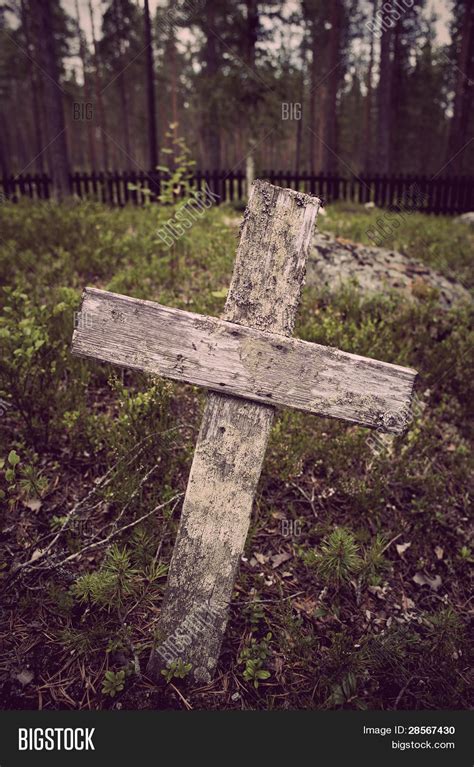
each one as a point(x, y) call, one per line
point(333, 262)
point(465, 218)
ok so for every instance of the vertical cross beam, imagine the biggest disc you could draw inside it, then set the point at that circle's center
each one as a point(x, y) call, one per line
point(264, 294)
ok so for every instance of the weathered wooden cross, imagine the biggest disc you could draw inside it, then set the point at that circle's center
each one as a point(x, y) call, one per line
point(250, 364)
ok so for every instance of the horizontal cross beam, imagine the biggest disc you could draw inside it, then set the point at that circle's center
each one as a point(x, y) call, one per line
point(243, 361)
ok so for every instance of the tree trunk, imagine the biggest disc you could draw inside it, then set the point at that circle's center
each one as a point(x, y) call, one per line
point(33, 82)
point(211, 69)
point(250, 45)
point(150, 77)
point(384, 103)
point(299, 122)
point(53, 99)
point(252, 31)
point(250, 168)
point(171, 63)
point(122, 89)
point(329, 145)
point(312, 100)
point(4, 153)
point(397, 111)
point(463, 93)
point(87, 93)
point(124, 109)
point(368, 100)
point(98, 95)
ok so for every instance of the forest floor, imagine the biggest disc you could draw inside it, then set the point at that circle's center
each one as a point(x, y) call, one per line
point(354, 588)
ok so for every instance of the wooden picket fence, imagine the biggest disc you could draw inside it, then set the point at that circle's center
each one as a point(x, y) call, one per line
point(442, 195)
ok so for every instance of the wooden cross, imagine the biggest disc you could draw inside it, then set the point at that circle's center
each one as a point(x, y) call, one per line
point(249, 362)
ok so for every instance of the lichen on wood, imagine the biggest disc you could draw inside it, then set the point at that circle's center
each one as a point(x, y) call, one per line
point(264, 294)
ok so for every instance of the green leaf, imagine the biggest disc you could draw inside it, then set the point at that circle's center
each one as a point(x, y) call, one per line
point(13, 458)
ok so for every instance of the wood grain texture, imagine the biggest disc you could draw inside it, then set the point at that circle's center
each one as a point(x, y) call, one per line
point(249, 363)
point(232, 441)
point(214, 523)
point(270, 264)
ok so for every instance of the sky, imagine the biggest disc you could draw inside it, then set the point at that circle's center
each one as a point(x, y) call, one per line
point(442, 8)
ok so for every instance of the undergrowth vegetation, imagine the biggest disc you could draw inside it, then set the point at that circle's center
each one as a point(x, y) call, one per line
point(353, 591)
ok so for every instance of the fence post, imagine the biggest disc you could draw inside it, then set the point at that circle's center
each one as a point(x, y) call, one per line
point(240, 178)
point(215, 185)
point(126, 191)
